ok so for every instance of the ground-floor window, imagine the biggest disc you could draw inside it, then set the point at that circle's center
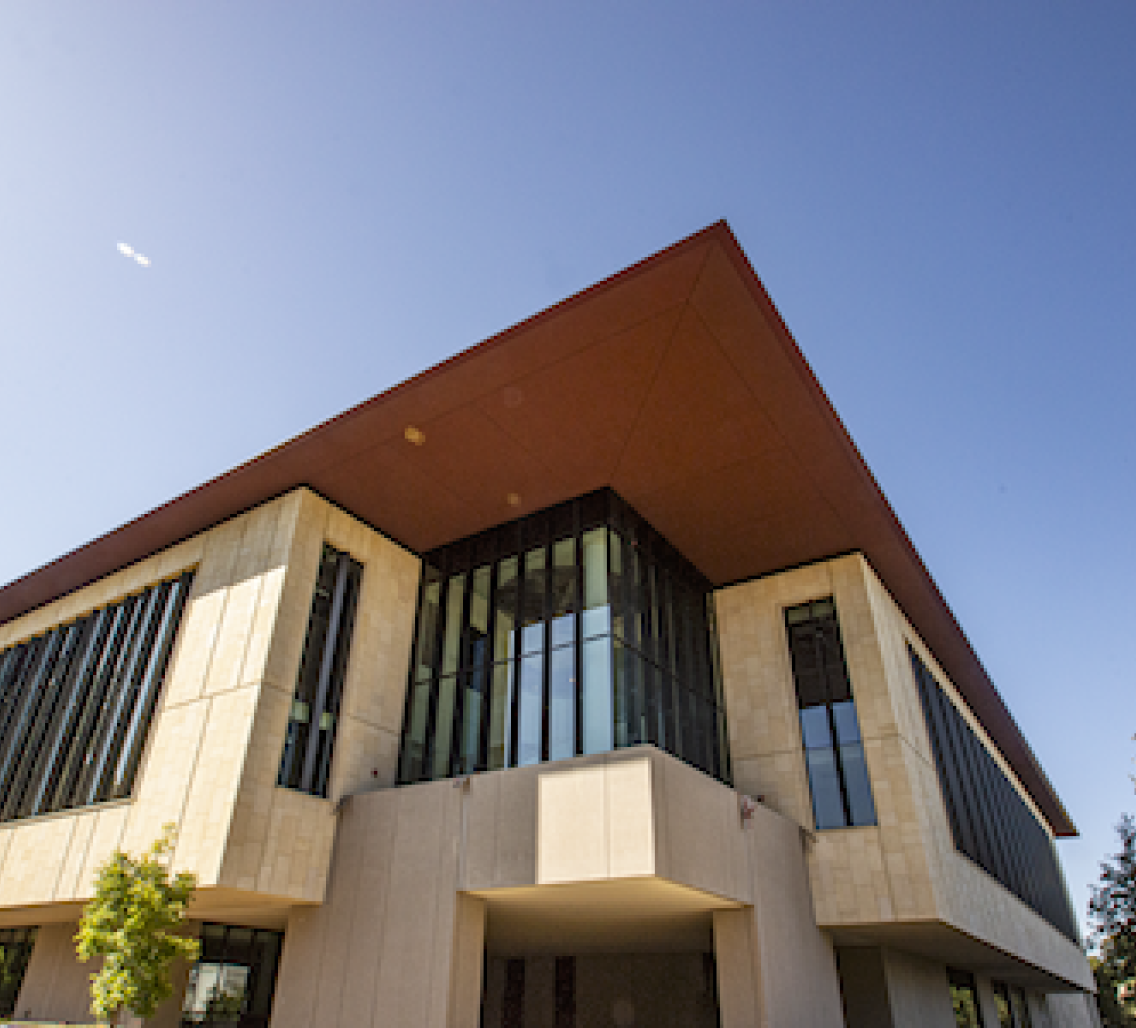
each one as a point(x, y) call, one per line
point(233, 980)
point(964, 998)
point(1011, 1005)
point(15, 951)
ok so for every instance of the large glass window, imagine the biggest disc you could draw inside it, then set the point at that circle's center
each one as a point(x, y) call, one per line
point(990, 822)
point(16, 946)
point(575, 630)
point(76, 702)
point(310, 739)
point(830, 730)
point(232, 983)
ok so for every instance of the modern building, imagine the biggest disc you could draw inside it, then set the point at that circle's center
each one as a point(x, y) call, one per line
point(585, 679)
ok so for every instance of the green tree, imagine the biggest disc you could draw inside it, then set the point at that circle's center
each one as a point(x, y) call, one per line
point(133, 922)
point(1113, 913)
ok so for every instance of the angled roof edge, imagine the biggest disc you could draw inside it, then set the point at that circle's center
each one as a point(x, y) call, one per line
point(291, 464)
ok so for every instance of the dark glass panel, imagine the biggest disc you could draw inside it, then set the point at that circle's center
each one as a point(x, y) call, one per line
point(964, 999)
point(429, 615)
point(443, 727)
point(473, 711)
point(599, 714)
point(845, 722)
point(596, 619)
point(828, 805)
point(992, 824)
point(564, 581)
point(501, 716)
point(562, 703)
point(828, 717)
point(815, 730)
point(562, 626)
point(16, 945)
point(861, 809)
point(305, 762)
point(77, 701)
point(451, 641)
point(531, 715)
point(505, 610)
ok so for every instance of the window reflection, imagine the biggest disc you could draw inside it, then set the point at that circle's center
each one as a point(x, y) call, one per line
point(575, 630)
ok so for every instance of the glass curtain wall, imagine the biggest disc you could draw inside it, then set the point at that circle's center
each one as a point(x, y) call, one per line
point(575, 630)
point(76, 702)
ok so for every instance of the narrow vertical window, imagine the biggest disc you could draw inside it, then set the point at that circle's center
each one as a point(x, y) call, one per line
point(310, 737)
point(830, 730)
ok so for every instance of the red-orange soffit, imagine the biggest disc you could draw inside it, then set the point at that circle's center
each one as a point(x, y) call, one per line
point(675, 382)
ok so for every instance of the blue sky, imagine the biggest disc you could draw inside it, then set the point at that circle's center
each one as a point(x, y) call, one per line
point(939, 198)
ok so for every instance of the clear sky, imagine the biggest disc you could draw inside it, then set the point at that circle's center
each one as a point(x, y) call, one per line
point(940, 198)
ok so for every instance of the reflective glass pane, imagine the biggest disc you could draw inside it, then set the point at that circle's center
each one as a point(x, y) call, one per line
point(428, 615)
point(562, 628)
point(532, 614)
point(501, 716)
point(532, 709)
point(847, 725)
point(451, 645)
point(596, 618)
point(472, 714)
point(505, 610)
point(860, 807)
point(562, 703)
point(814, 728)
point(598, 712)
point(828, 808)
point(444, 726)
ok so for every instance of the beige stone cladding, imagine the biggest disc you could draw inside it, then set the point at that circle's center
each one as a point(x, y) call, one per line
point(560, 852)
point(280, 840)
point(210, 760)
point(906, 868)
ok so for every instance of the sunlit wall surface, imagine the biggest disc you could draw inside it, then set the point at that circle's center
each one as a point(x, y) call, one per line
point(575, 630)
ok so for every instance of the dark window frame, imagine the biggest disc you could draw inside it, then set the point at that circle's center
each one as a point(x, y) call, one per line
point(77, 701)
point(821, 680)
point(991, 824)
point(313, 721)
point(661, 646)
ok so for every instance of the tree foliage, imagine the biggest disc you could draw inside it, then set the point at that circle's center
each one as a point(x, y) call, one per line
point(133, 922)
point(1113, 912)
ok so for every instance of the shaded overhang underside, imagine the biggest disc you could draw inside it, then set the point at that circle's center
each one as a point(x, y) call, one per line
point(623, 915)
point(676, 383)
point(944, 944)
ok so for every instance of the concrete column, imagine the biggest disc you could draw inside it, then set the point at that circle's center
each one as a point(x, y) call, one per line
point(466, 967)
point(738, 982)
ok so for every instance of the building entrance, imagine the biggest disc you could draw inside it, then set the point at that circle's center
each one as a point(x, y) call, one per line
point(601, 990)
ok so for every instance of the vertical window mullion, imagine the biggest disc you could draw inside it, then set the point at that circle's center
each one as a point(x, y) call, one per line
point(138, 648)
point(73, 704)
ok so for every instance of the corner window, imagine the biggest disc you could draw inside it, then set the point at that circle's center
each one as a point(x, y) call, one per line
point(830, 730)
point(306, 762)
point(575, 630)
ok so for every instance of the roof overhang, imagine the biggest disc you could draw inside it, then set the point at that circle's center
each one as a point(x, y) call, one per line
point(674, 382)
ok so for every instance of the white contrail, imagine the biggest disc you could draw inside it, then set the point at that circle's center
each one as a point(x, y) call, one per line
point(128, 251)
